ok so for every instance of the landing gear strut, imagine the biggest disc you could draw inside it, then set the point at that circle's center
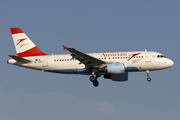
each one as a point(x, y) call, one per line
point(148, 79)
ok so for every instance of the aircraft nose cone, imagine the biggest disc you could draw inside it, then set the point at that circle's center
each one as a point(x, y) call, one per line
point(171, 63)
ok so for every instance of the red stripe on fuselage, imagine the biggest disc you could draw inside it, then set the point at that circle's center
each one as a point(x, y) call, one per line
point(133, 55)
point(31, 52)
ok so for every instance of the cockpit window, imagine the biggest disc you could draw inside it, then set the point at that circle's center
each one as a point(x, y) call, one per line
point(160, 56)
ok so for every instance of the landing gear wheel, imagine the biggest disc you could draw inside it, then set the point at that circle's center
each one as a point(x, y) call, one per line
point(92, 78)
point(149, 79)
point(95, 83)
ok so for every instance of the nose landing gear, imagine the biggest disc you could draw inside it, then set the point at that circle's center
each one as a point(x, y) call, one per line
point(148, 79)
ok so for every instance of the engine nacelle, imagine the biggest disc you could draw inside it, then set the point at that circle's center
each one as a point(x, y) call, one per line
point(116, 68)
point(115, 77)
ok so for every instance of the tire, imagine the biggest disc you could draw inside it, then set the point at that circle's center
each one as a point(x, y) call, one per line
point(92, 79)
point(95, 83)
point(149, 79)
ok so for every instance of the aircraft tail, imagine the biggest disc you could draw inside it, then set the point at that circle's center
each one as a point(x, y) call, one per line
point(24, 46)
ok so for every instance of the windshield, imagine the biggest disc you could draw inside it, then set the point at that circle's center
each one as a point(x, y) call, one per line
point(160, 56)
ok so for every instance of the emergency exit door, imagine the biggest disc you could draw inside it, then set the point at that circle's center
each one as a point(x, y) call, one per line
point(147, 57)
point(45, 62)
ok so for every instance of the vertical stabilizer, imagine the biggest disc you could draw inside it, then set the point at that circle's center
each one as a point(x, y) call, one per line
point(24, 46)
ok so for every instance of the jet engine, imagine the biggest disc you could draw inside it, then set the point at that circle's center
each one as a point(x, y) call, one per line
point(115, 68)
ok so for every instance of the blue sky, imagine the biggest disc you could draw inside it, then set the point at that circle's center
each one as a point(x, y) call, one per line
point(90, 26)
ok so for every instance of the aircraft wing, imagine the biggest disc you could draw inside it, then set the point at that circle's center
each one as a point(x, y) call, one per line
point(87, 60)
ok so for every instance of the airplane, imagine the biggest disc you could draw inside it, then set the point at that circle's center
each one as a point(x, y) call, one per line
point(111, 65)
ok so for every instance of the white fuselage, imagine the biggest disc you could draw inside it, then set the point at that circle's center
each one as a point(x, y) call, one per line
point(133, 61)
point(114, 65)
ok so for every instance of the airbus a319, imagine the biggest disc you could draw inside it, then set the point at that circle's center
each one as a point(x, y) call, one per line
point(111, 65)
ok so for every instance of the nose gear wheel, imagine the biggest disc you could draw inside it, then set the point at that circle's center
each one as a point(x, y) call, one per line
point(148, 79)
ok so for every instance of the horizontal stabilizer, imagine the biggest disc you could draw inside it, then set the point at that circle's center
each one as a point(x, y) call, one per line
point(19, 59)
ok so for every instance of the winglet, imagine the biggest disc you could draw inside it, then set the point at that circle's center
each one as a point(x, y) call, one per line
point(64, 47)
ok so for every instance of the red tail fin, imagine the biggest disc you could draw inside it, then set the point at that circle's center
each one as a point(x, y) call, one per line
point(24, 46)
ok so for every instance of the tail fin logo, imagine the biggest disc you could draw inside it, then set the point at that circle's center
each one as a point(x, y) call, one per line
point(20, 40)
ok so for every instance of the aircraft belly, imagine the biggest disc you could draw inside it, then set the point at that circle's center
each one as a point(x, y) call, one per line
point(72, 71)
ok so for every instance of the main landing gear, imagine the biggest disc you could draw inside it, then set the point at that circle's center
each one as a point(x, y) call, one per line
point(93, 79)
point(148, 79)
